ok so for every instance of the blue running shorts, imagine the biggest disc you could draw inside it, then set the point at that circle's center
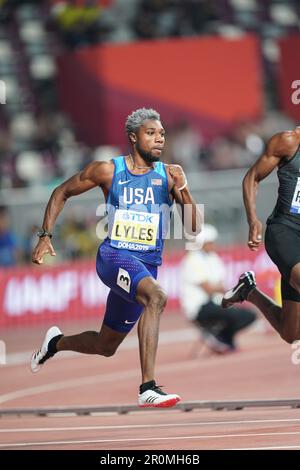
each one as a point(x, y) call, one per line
point(121, 272)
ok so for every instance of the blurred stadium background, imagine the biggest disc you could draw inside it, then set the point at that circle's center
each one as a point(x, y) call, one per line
point(221, 73)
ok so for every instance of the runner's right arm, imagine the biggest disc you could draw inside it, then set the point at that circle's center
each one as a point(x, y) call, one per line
point(282, 145)
point(95, 174)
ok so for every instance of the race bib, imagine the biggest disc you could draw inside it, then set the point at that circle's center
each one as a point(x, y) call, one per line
point(133, 230)
point(295, 206)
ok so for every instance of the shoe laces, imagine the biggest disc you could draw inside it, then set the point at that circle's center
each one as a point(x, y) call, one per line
point(36, 354)
point(158, 389)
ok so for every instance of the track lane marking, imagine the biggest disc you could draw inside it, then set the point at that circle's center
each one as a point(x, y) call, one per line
point(145, 426)
point(143, 439)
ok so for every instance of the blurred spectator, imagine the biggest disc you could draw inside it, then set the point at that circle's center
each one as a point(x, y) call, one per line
point(9, 250)
point(203, 274)
point(79, 24)
point(244, 143)
point(165, 18)
point(185, 146)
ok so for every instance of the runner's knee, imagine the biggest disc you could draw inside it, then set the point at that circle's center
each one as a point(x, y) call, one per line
point(151, 294)
point(289, 336)
point(289, 333)
point(107, 350)
point(157, 299)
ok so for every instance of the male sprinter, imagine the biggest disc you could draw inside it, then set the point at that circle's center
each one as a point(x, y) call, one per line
point(282, 238)
point(137, 189)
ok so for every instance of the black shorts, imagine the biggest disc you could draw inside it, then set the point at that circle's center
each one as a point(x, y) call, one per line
point(282, 244)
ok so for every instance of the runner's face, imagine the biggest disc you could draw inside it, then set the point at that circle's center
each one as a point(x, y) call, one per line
point(150, 140)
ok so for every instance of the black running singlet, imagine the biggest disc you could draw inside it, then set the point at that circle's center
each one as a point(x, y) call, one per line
point(287, 209)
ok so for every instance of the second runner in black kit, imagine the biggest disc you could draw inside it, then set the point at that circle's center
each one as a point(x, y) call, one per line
point(282, 238)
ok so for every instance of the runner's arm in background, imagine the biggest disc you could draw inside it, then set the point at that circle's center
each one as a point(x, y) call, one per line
point(281, 145)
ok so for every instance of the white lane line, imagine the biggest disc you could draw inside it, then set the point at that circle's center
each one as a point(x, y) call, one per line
point(145, 426)
point(147, 439)
point(265, 448)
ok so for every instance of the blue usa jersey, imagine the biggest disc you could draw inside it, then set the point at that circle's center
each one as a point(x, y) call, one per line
point(139, 209)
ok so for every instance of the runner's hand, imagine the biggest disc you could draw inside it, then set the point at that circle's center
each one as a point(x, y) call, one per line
point(255, 235)
point(44, 247)
point(177, 174)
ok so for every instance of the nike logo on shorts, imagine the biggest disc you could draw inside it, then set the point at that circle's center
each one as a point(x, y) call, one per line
point(124, 182)
point(129, 322)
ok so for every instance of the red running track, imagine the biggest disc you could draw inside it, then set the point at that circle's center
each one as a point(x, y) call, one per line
point(262, 369)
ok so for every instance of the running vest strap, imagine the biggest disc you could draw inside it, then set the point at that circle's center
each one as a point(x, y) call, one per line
point(139, 209)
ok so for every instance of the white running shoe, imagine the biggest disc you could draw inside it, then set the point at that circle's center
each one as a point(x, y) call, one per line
point(156, 398)
point(39, 357)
